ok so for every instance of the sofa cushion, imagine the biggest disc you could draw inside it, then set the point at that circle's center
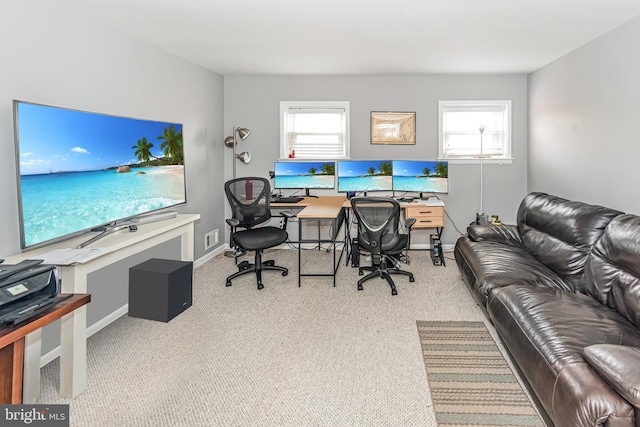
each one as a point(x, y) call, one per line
point(612, 273)
point(619, 366)
point(560, 233)
point(486, 265)
point(546, 330)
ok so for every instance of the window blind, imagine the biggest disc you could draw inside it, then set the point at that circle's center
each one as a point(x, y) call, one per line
point(461, 135)
point(315, 133)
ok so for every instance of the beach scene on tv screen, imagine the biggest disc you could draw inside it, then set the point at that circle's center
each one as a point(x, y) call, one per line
point(365, 175)
point(304, 175)
point(79, 170)
point(420, 176)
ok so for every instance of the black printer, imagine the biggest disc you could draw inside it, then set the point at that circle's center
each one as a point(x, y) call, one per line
point(26, 289)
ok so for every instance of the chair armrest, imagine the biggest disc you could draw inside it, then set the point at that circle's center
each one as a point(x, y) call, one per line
point(285, 218)
point(233, 222)
point(618, 366)
point(408, 223)
point(507, 234)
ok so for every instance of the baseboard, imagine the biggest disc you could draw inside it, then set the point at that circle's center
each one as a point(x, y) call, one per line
point(217, 251)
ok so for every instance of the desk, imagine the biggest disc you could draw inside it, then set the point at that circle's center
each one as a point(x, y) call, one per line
point(118, 246)
point(318, 209)
point(12, 342)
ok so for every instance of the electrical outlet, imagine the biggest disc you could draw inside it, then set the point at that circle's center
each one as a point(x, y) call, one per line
point(211, 239)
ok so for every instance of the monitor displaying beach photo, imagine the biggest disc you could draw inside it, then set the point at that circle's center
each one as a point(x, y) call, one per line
point(365, 175)
point(421, 176)
point(304, 175)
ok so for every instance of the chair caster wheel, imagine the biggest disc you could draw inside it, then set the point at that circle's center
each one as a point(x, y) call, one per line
point(243, 265)
point(412, 279)
point(284, 273)
point(228, 284)
point(360, 273)
point(359, 287)
point(260, 286)
point(394, 292)
point(270, 262)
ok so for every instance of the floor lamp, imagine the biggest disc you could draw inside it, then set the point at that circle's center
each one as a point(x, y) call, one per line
point(230, 141)
point(481, 217)
point(244, 157)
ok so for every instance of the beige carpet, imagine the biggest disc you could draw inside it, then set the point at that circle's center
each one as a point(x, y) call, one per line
point(284, 356)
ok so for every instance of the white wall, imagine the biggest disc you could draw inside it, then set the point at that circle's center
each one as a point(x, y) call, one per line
point(54, 55)
point(253, 102)
point(584, 122)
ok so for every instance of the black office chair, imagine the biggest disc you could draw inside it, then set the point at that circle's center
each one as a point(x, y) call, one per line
point(249, 198)
point(379, 234)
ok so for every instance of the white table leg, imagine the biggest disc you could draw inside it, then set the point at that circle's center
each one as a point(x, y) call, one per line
point(31, 372)
point(73, 353)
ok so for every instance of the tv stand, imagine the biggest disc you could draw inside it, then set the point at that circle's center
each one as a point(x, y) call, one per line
point(307, 194)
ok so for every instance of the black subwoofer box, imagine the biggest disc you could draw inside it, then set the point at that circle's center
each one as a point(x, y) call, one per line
point(160, 289)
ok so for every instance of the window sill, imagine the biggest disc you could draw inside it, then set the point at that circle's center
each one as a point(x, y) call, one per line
point(476, 161)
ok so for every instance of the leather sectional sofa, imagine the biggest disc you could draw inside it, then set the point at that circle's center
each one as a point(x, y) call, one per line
point(562, 288)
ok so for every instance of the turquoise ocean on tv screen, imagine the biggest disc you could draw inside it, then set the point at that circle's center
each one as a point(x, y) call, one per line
point(58, 204)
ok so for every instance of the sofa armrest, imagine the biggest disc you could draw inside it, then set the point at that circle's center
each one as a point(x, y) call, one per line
point(619, 366)
point(507, 234)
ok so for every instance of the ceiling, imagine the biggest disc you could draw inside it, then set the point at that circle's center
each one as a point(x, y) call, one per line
point(364, 37)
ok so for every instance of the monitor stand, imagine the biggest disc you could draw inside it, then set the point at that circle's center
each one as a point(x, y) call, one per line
point(306, 193)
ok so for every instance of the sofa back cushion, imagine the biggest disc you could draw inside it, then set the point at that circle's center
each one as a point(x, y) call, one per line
point(560, 233)
point(612, 272)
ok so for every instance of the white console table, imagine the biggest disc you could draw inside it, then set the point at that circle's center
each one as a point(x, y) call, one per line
point(73, 347)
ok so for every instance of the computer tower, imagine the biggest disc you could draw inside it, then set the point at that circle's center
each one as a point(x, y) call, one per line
point(436, 250)
point(355, 253)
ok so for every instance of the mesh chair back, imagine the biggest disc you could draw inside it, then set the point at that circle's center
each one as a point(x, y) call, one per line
point(378, 222)
point(249, 198)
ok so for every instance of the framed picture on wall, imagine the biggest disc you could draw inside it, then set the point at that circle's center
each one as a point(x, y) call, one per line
point(393, 128)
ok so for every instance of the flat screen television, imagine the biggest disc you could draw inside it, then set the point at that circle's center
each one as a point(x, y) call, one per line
point(307, 175)
point(421, 176)
point(365, 175)
point(79, 171)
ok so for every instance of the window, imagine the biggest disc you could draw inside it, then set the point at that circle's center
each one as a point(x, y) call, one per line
point(314, 130)
point(460, 123)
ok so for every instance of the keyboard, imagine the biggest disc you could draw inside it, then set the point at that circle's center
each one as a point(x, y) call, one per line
point(279, 199)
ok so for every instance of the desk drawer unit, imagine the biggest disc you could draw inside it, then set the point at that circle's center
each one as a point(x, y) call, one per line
point(426, 216)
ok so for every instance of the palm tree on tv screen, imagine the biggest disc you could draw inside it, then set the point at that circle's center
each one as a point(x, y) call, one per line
point(172, 144)
point(312, 171)
point(426, 171)
point(143, 150)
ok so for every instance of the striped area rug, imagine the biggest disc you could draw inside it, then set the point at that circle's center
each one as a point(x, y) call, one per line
point(471, 383)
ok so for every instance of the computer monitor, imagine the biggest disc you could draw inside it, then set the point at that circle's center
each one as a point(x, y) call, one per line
point(307, 175)
point(364, 175)
point(421, 176)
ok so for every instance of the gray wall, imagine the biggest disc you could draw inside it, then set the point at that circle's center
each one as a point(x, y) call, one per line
point(253, 102)
point(57, 56)
point(585, 121)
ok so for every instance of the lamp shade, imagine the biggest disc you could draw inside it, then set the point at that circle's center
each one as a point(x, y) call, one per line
point(244, 157)
point(243, 133)
point(228, 141)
